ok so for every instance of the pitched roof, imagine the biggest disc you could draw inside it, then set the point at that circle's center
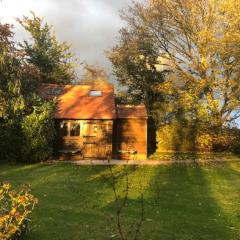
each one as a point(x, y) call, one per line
point(131, 111)
point(74, 102)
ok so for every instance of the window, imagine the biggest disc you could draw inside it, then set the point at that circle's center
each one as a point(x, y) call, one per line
point(54, 91)
point(75, 129)
point(64, 129)
point(95, 93)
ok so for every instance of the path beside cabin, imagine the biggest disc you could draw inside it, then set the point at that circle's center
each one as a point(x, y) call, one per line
point(145, 162)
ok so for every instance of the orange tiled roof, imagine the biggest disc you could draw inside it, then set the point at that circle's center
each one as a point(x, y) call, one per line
point(131, 111)
point(74, 102)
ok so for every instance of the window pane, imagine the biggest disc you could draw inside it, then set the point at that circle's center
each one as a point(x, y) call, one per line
point(95, 93)
point(64, 129)
point(75, 129)
point(54, 91)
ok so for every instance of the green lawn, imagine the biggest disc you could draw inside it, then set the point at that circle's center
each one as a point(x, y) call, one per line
point(182, 156)
point(181, 202)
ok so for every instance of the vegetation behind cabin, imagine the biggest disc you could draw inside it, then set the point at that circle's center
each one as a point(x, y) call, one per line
point(181, 59)
point(26, 124)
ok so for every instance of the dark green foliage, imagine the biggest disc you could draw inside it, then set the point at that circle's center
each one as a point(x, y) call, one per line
point(10, 141)
point(29, 138)
point(11, 101)
point(38, 132)
point(26, 125)
point(53, 59)
point(135, 64)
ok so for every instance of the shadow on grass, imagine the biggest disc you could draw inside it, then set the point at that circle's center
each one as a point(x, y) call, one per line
point(104, 175)
point(187, 208)
point(69, 202)
point(179, 203)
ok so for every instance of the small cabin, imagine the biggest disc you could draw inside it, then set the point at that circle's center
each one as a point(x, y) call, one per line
point(90, 125)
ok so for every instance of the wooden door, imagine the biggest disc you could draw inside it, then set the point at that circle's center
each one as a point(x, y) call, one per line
point(90, 150)
point(90, 134)
point(97, 139)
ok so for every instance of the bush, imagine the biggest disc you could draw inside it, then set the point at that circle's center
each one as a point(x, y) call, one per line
point(15, 208)
point(38, 133)
point(188, 138)
point(10, 141)
point(28, 138)
point(176, 137)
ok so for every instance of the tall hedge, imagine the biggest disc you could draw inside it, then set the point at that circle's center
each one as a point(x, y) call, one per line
point(189, 138)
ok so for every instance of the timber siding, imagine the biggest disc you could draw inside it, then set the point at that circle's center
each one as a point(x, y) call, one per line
point(94, 140)
point(130, 139)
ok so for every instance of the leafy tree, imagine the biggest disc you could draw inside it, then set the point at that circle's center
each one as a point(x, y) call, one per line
point(19, 106)
point(11, 100)
point(134, 61)
point(94, 73)
point(54, 60)
point(199, 41)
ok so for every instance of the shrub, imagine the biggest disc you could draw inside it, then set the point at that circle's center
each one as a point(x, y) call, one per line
point(176, 137)
point(188, 138)
point(28, 138)
point(38, 133)
point(15, 208)
point(10, 140)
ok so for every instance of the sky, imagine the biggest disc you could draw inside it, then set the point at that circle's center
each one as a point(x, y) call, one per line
point(91, 26)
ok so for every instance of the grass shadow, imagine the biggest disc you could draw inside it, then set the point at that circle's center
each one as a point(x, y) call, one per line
point(180, 202)
point(187, 207)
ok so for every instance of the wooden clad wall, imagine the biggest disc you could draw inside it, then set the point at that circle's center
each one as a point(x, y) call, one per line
point(130, 138)
point(93, 137)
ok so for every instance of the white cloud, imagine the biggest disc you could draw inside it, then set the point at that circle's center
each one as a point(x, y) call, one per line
point(90, 25)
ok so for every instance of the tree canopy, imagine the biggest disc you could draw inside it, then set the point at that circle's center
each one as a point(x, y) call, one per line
point(187, 51)
point(53, 59)
point(11, 72)
point(26, 125)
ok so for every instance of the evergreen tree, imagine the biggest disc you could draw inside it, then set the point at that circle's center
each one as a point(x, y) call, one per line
point(26, 125)
point(54, 60)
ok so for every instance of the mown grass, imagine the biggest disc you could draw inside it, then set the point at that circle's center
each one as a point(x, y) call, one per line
point(194, 156)
point(180, 202)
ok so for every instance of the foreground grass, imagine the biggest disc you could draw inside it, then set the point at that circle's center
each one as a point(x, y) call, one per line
point(181, 202)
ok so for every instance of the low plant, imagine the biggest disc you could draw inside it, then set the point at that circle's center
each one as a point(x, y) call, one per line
point(15, 208)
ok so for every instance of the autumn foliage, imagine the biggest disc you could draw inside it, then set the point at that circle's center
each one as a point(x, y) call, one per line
point(175, 137)
point(181, 58)
point(15, 208)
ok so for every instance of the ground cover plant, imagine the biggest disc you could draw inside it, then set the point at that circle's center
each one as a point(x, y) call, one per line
point(180, 202)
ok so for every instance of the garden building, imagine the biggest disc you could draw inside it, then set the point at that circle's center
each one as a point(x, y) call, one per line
point(90, 125)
